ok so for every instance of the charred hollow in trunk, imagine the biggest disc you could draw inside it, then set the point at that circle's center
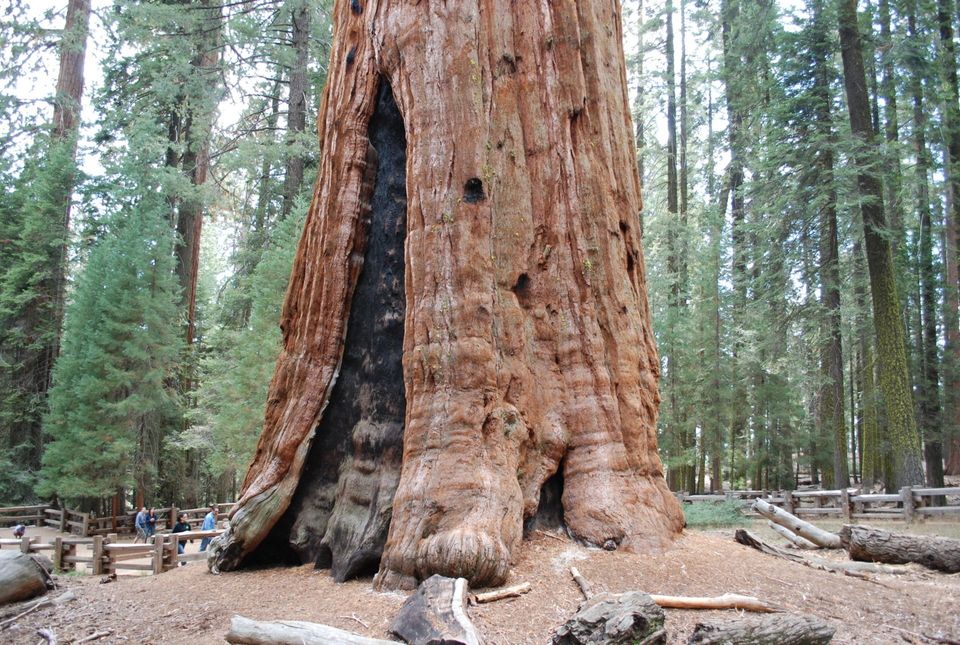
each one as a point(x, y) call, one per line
point(340, 512)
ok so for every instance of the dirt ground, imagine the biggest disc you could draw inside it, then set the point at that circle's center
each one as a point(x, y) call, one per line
point(190, 605)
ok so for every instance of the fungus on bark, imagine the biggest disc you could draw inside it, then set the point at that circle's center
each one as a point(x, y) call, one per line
point(466, 337)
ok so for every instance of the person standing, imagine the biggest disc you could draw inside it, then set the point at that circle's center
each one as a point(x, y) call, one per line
point(152, 523)
point(181, 526)
point(209, 524)
point(140, 524)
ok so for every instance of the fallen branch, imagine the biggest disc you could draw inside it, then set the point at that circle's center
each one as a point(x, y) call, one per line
point(42, 604)
point(92, 637)
point(726, 601)
point(354, 618)
point(793, 538)
point(47, 635)
point(581, 582)
point(550, 535)
point(500, 594)
point(805, 530)
point(292, 632)
point(855, 569)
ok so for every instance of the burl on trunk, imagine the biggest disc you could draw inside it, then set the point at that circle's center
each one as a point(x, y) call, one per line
point(467, 341)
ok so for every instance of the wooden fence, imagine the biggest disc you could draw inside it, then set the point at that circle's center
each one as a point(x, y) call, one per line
point(106, 554)
point(88, 525)
point(911, 503)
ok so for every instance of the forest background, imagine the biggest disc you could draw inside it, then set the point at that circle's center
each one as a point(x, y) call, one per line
point(147, 238)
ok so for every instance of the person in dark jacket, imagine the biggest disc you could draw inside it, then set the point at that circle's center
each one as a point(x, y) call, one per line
point(181, 526)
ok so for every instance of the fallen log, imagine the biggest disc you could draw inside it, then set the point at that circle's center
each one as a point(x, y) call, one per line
point(500, 594)
point(436, 614)
point(783, 629)
point(244, 631)
point(793, 538)
point(855, 569)
point(806, 530)
point(867, 544)
point(22, 577)
point(726, 601)
point(614, 619)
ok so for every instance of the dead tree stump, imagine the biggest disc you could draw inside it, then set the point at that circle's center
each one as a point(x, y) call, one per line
point(436, 613)
point(615, 619)
point(775, 629)
point(876, 545)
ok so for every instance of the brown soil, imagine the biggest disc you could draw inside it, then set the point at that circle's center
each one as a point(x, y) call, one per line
point(189, 605)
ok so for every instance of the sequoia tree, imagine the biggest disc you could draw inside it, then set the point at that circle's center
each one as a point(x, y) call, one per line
point(467, 346)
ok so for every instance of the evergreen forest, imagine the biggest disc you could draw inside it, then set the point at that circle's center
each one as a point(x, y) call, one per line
point(800, 164)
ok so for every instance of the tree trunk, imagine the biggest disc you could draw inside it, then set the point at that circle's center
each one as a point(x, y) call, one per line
point(831, 409)
point(21, 577)
point(198, 125)
point(296, 105)
point(783, 629)
point(436, 613)
point(482, 230)
point(929, 385)
point(875, 545)
point(894, 373)
point(951, 128)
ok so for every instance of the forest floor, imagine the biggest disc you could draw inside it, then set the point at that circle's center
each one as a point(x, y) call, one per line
point(189, 605)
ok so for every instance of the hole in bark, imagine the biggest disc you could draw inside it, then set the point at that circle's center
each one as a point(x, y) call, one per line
point(351, 55)
point(356, 7)
point(630, 263)
point(339, 515)
point(624, 227)
point(522, 289)
point(473, 191)
point(549, 513)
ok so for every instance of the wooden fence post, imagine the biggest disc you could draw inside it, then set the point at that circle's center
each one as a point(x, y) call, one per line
point(909, 509)
point(85, 528)
point(158, 554)
point(40, 515)
point(97, 565)
point(788, 501)
point(845, 503)
point(25, 544)
point(58, 553)
point(63, 519)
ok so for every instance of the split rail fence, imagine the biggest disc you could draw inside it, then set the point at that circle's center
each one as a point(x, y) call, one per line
point(912, 503)
point(89, 525)
point(107, 555)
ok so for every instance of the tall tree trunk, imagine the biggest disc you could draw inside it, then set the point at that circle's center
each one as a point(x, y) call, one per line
point(831, 409)
point(951, 129)
point(902, 435)
point(195, 161)
point(929, 385)
point(729, 16)
point(873, 457)
point(639, 133)
point(494, 213)
point(297, 104)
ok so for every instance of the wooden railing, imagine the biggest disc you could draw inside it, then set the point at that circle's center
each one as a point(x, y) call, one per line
point(911, 503)
point(106, 554)
point(88, 525)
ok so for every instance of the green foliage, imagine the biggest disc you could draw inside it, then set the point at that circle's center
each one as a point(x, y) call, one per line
point(239, 363)
point(113, 395)
point(715, 514)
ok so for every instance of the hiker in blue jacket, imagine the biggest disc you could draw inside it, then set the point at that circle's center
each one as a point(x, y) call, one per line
point(209, 524)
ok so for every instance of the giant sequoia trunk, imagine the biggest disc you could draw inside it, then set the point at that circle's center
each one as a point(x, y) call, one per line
point(468, 301)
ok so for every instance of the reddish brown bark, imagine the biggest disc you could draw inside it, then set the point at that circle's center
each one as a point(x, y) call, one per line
point(527, 345)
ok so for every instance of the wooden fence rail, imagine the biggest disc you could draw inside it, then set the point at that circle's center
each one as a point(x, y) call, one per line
point(87, 525)
point(105, 554)
point(911, 503)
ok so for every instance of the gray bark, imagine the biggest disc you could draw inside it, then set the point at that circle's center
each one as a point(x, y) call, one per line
point(876, 545)
point(782, 629)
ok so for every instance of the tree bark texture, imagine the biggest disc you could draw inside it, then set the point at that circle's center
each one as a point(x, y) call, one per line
point(244, 631)
point(868, 544)
point(436, 613)
point(894, 372)
point(21, 577)
point(784, 629)
point(527, 351)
